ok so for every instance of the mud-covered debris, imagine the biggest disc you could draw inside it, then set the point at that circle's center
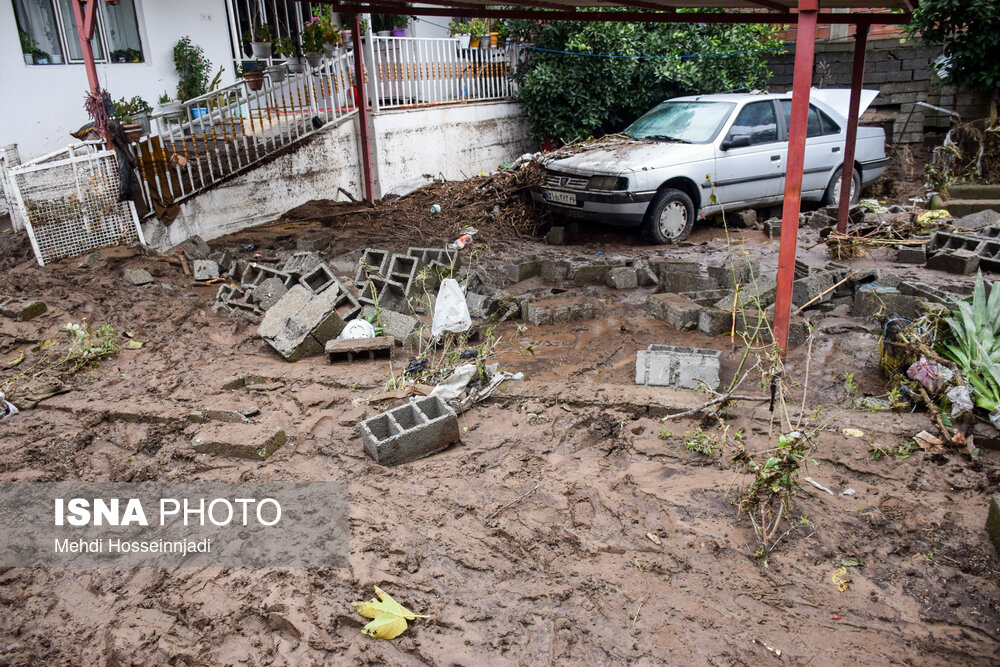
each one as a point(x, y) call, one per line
point(138, 277)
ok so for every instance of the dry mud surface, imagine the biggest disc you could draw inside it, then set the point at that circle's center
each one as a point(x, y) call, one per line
point(526, 543)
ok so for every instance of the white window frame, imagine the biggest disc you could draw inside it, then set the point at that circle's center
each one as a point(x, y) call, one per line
point(65, 37)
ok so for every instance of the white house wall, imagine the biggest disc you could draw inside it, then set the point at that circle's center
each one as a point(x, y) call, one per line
point(454, 141)
point(42, 104)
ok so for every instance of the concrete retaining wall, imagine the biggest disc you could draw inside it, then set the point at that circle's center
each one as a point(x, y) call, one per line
point(455, 141)
point(903, 74)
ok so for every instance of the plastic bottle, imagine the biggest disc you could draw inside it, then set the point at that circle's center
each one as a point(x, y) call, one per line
point(460, 242)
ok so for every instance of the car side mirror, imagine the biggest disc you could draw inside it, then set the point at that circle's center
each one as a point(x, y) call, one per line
point(738, 141)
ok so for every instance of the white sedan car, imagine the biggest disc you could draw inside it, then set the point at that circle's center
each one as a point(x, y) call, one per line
point(732, 146)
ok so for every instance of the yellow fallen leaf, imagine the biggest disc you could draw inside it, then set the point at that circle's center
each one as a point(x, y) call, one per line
point(839, 578)
point(389, 617)
point(47, 343)
point(134, 344)
point(853, 432)
point(14, 362)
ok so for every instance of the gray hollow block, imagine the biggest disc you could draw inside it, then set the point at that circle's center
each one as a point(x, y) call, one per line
point(301, 323)
point(374, 261)
point(386, 294)
point(678, 367)
point(709, 298)
point(221, 309)
point(523, 268)
point(403, 269)
point(477, 303)
point(661, 265)
point(256, 273)
point(205, 269)
point(961, 262)
point(138, 277)
point(646, 277)
point(224, 258)
point(194, 248)
point(319, 278)
point(591, 274)
point(243, 441)
point(554, 271)
point(269, 292)
point(560, 310)
point(925, 292)
point(354, 349)
point(301, 263)
point(912, 254)
point(622, 277)
point(410, 432)
point(346, 304)
point(556, 236)
point(679, 282)
point(878, 303)
point(676, 310)
point(446, 256)
point(715, 321)
point(398, 325)
point(806, 289)
point(737, 273)
point(760, 294)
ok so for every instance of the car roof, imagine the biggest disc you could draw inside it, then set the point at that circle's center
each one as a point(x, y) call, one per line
point(731, 97)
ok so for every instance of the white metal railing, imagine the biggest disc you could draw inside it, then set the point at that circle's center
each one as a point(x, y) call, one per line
point(223, 132)
point(415, 71)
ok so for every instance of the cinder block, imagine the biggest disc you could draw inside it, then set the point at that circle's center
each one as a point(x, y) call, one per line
point(709, 297)
point(877, 302)
point(680, 367)
point(194, 248)
point(446, 256)
point(477, 304)
point(679, 282)
point(138, 277)
point(243, 441)
point(806, 289)
point(758, 294)
point(205, 269)
point(386, 294)
point(961, 262)
point(662, 265)
point(554, 271)
point(410, 432)
point(403, 269)
point(523, 268)
point(359, 348)
point(646, 277)
point(675, 309)
point(269, 292)
point(912, 254)
point(622, 277)
point(398, 325)
point(925, 292)
point(591, 274)
point(256, 273)
point(319, 278)
point(23, 311)
point(374, 261)
point(224, 259)
point(729, 275)
point(301, 263)
point(556, 236)
point(993, 522)
point(560, 310)
point(301, 322)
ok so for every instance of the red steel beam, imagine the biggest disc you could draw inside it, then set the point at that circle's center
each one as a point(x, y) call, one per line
point(805, 47)
point(361, 99)
point(447, 10)
point(857, 79)
point(83, 15)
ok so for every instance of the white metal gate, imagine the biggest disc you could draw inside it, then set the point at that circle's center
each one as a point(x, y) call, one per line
point(68, 202)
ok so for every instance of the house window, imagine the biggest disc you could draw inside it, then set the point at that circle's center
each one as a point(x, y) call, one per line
point(47, 30)
point(39, 32)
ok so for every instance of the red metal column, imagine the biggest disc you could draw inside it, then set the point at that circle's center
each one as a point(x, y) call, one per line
point(361, 100)
point(857, 79)
point(805, 47)
point(83, 13)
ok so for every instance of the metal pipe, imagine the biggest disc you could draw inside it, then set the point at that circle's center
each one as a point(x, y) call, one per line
point(805, 46)
point(359, 91)
point(857, 79)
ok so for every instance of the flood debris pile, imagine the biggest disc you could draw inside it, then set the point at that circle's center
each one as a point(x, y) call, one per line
point(872, 226)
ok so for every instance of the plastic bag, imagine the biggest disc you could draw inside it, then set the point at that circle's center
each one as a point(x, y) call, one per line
point(961, 400)
point(933, 376)
point(451, 313)
point(6, 409)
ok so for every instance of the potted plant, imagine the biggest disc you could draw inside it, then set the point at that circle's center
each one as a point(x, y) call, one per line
point(252, 74)
point(260, 43)
point(480, 34)
point(460, 31)
point(399, 25)
point(192, 69)
point(169, 107)
point(130, 114)
point(349, 39)
point(284, 47)
point(313, 38)
point(332, 39)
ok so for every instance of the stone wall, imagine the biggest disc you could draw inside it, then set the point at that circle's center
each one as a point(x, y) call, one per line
point(901, 71)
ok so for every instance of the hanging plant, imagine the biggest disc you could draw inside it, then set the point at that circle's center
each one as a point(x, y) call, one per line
point(97, 104)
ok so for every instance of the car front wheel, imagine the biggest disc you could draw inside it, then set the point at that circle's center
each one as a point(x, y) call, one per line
point(832, 195)
point(669, 218)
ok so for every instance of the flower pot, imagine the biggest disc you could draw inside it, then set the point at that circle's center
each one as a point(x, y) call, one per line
point(473, 41)
point(171, 109)
point(57, 60)
point(314, 59)
point(133, 132)
point(261, 50)
point(197, 112)
point(255, 80)
point(384, 33)
point(463, 40)
point(330, 49)
point(348, 38)
point(494, 38)
point(296, 64)
point(484, 41)
point(277, 73)
point(399, 32)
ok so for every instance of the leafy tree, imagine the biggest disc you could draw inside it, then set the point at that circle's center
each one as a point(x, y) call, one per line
point(968, 33)
point(569, 96)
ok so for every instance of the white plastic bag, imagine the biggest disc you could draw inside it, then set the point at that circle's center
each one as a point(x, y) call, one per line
point(451, 313)
point(961, 400)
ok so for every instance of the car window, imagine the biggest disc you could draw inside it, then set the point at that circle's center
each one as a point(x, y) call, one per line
point(757, 120)
point(819, 123)
point(693, 122)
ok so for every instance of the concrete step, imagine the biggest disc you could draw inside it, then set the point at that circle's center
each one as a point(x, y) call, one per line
point(974, 191)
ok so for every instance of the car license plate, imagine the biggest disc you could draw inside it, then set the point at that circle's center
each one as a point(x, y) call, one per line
point(561, 197)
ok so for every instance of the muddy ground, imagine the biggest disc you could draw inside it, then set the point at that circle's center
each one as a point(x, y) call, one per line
point(527, 543)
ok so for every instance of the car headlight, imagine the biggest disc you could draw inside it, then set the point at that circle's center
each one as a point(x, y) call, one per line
point(607, 183)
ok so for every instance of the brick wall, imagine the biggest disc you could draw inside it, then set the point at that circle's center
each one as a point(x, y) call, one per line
point(903, 75)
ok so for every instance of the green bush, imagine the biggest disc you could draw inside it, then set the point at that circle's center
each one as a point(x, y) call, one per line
point(565, 97)
point(192, 68)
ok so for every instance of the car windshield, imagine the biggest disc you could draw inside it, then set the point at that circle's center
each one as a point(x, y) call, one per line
point(688, 122)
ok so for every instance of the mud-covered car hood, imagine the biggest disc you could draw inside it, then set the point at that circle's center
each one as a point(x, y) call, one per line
point(629, 157)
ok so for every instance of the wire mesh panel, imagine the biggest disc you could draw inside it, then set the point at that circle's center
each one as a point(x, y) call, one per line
point(69, 203)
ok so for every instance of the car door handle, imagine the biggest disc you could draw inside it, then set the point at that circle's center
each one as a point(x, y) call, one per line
point(775, 158)
point(835, 149)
